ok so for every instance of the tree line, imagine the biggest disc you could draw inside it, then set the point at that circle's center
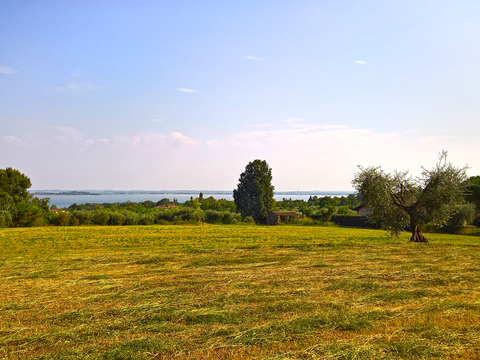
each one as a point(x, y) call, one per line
point(395, 201)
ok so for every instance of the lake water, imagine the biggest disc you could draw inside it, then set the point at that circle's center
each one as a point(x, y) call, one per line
point(63, 201)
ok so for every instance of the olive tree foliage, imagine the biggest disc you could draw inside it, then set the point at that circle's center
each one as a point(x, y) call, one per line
point(254, 193)
point(397, 201)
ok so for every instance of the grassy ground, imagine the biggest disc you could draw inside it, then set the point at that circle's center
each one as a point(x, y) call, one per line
point(236, 292)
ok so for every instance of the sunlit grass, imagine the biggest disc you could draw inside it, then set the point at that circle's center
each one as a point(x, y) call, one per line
point(236, 292)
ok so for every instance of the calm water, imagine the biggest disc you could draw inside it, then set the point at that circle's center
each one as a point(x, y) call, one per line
point(67, 200)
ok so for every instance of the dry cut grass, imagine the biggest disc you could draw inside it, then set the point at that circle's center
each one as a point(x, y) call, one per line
point(236, 292)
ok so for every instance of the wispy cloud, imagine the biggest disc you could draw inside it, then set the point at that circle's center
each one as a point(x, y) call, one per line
point(157, 118)
point(292, 120)
point(76, 87)
point(75, 84)
point(7, 70)
point(187, 90)
point(182, 138)
point(68, 134)
point(250, 57)
point(361, 62)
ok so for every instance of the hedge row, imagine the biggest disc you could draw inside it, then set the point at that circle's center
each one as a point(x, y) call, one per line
point(358, 221)
point(105, 217)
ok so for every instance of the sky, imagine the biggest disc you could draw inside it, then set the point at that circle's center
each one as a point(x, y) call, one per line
point(182, 94)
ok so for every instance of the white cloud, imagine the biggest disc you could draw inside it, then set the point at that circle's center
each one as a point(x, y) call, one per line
point(182, 138)
point(7, 70)
point(292, 119)
point(13, 139)
point(157, 118)
point(75, 84)
point(302, 155)
point(250, 57)
point(187, 90)
point(334, 127)
point(361, 62)
point(79, 87)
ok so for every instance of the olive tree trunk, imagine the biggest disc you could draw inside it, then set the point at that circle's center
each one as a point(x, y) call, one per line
point(417, 235)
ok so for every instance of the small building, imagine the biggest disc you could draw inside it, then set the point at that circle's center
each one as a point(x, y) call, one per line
point(282, 217)
point(166, 206)
point(361, 210)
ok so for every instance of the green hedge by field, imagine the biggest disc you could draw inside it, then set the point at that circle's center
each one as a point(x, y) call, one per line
point(358, 221)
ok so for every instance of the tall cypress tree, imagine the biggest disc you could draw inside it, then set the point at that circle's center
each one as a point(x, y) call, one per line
point(254, 193)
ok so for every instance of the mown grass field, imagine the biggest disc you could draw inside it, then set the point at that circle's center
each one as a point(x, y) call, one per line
point(236, 292)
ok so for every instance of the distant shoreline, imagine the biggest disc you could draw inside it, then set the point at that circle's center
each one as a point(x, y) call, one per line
point(167, 192)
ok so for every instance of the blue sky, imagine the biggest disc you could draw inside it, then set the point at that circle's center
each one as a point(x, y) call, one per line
point(183, 94)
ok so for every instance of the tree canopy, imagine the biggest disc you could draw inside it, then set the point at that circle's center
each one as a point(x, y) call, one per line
point(473, 191)
point(254, 193)
point(17, 206)
point(399, 200)
point(13, 188)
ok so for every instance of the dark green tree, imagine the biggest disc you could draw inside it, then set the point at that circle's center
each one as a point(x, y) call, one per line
point(13, 188)
point(473, 191)
point(254, 193)
point(22, 207)
point(397, 201)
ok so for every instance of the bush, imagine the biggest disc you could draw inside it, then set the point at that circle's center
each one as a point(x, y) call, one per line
point(5, 219)
point(146, 219)
point(345, 210)
point(181, 215)
point(83, 217)
point(59, 218)
point(451, 229)
point(116, 218)
point(100, 217)
point(221, 217)
point(464, 216)
point(131, 218)
point(28, 214)
point(358, 221)
point(323, 214)
point(248, 220)
point(230, 218)
point(213, 217)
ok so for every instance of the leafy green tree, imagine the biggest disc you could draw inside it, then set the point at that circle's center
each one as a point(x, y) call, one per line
point(399, 200)
point(254, 193)
point(473, 191)
point(464, 215)
point(24, 208)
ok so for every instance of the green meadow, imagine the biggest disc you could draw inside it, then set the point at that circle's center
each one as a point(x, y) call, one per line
point(236, 292)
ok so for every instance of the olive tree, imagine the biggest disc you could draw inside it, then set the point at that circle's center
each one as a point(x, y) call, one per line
point(254, 193)
point(398, 200)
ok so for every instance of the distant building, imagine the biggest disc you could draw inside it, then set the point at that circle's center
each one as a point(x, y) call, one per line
point(361, 210)
point(166, 206)
point(279, 217)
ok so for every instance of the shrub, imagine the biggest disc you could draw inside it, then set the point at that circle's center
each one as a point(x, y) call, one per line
point(59, 218)
point(100, 217)
point(248, 220)
point(221, 217)
point(358, 221)
point(131, 218)
point(464, 215)
point(180, 215)
point(230, 218)
point(146, 219)
point(28, 214)
point(5, 219)
point(116, 218)
point(83, 217)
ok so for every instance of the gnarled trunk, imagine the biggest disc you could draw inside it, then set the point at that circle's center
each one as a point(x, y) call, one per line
point(417, 235)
